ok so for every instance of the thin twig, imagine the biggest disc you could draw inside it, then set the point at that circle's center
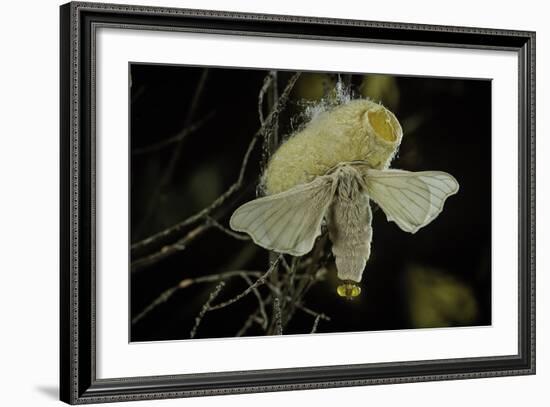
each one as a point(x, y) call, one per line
point(286, 265)
point(250, 288)
point(305, 283)
point(163, 297)
point(315, 324)
point(261, 306)
point(288, 289)
point(177, 228)
point(255, 318)
point(174, 139)
point(248, 323)
point(268, 80)
point(235, 235)
point(271, 142)
point(183, 243)
point(298, 304)
point(158, 301)
point(168, 250)
point(167, 294)
point(205, 308)
point(309, 311)
point(313, 266)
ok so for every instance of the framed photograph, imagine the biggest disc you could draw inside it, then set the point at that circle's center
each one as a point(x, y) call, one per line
point(255, 203)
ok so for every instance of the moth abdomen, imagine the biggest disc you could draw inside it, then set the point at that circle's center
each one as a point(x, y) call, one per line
point(350, 231)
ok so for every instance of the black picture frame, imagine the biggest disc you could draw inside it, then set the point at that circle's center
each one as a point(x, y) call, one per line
point(78, 382)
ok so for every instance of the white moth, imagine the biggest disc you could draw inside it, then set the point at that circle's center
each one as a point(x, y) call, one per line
point(290, 221)
point(328, 173)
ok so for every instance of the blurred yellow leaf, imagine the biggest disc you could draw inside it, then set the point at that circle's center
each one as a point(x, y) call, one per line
point(205, 185)
point(313, 86)
point(381, 88)
point(437, 299)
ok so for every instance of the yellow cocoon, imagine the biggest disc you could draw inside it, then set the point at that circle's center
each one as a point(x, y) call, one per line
point(360, 130)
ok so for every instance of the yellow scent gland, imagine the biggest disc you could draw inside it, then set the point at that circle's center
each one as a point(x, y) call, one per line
point(359, 130)
point(348, 290)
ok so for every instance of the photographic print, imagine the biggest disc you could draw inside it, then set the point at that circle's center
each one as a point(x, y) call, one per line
point(266, 202)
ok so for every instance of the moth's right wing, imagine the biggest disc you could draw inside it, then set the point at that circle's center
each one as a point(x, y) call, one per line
point(288, 222)
point(410, 199)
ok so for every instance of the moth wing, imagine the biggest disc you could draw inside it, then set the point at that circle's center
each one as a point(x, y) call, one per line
point(288, 222)
point(410, 199)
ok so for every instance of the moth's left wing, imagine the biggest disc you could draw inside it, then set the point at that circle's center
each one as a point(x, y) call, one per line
point(288, 222)
point(410, 199)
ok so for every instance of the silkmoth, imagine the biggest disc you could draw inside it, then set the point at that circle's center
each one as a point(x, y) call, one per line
point(328, 173)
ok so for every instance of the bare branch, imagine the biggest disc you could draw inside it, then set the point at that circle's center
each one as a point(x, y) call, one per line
point(183, 243)
point(298, 304)
point(261, 306)
point(174, 139)
point(205, 308)
point(167, 294)
point(277, 319)
point(257, 283)
point(248, 323)
point(261, 279)
point(168, 250)
point(217, 225)
point(158, 301)
point(306, 280)
point(315, 324)
point(309, 311)
point(271, 141)
point(268, 80)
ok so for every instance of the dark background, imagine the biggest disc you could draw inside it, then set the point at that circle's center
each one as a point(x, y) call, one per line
point(440, 276)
